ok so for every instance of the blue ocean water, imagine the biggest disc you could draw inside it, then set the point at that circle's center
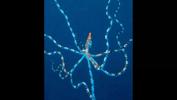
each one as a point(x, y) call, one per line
point(87, 16)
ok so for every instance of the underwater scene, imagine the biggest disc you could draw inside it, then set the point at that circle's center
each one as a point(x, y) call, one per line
point(88, 47)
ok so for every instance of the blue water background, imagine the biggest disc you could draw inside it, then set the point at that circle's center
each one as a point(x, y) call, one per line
point(87, 16)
